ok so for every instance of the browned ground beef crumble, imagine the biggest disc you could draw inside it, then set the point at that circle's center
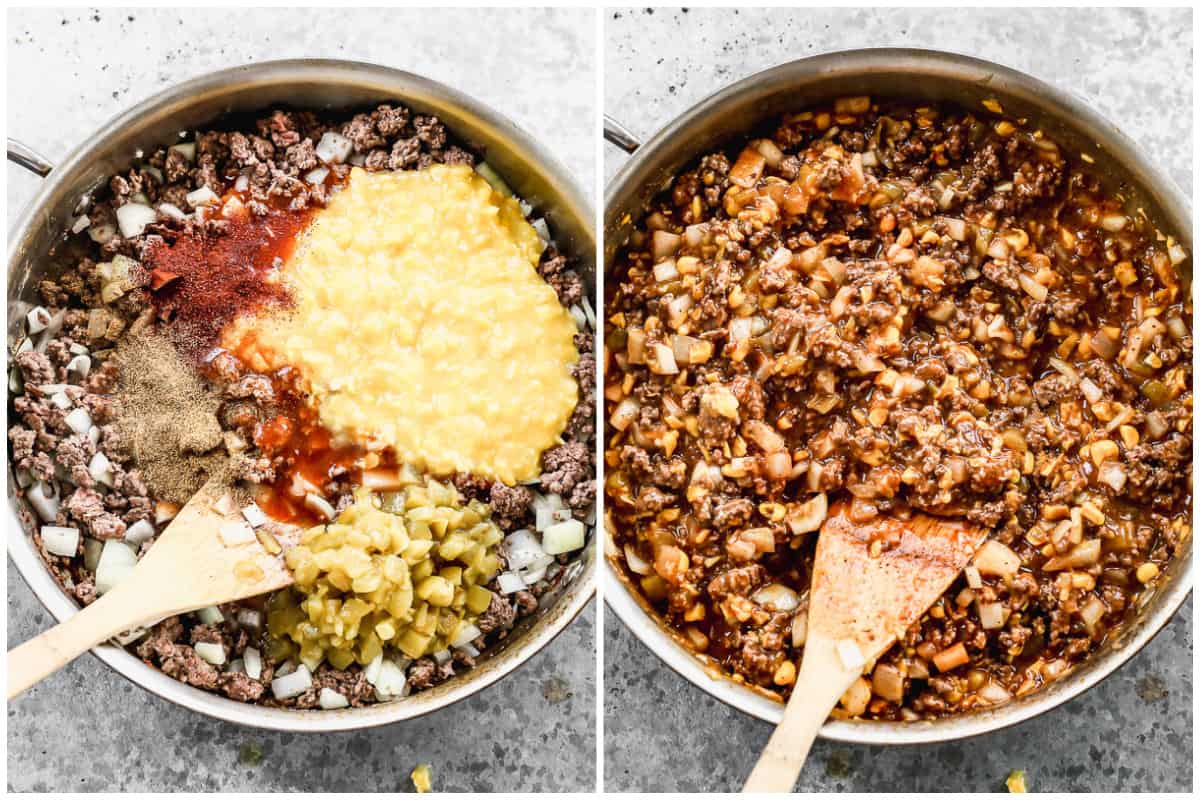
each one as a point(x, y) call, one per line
point(899, 308)
point(273, 153)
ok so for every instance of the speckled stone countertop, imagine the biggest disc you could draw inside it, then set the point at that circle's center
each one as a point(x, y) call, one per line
point(86, 729)
point(1131, 734)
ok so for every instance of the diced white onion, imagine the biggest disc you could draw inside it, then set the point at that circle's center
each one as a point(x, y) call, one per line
point(164, 511)
point(625, 413)
point(1092, 612)
point(677, 308)
point(800, 629)
point(974, 579)
point(1064, 369)
point(132, 219)
point(44, 504)
point(665, 358)
point(236, 533)
point(769, 151)
point(210, 651)
point(371, 671)
point(237, 665)
point(60, 400)
point(663, 244)
point(637, 564)
point(329, 700)
point(547, 502)
point(79, 366)
point(60, 541)
point(808, 517)
point(509, 583)
point(441, 656)
point(1032, 287)
point(100, 468)
point(80, 224)
point(665, 271)
point(1091, 391)
point(563, 537)
point(320, 505)
point(1177, 254)
point(588, 312)
point(991, 615)
point(233, 208)
point(254, 515)
point(536, 571)
point(172, 211)
point(249, 618)
point(185, 149)
point(117, 560)
point(334, 148)
point(466, 634)
point(778, 597)
point(293, 684)
point(391, 681)
point(201, 197)
point(1113, 474)
point(79, 420)
point(956, 228)
point(995, 558)
point(317, 176)
point(210, 615)
point(253, 661)
point(550, 516)
point(522, 549)
point(37, 318)
point(994, 693)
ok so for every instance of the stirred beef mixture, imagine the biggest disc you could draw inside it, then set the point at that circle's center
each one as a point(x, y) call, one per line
point(121, 407)
point(899, 308)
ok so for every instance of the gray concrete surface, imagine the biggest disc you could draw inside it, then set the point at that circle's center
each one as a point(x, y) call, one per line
point(1133, 733)
point(85, 729)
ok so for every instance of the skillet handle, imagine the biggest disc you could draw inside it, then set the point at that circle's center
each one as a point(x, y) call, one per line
point(28, 158)
point(618, 134)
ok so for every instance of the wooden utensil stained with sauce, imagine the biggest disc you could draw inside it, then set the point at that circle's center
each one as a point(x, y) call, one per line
point(208, 555)
point(870, 583)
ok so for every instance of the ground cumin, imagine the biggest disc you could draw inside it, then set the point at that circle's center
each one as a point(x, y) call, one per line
point(168, 418)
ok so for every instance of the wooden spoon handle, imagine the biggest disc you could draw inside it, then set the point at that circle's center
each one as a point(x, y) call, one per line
point(119, 610)
point(821, 683)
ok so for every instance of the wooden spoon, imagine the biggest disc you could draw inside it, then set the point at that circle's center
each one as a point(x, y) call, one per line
point(198, 561)
point(860, 602)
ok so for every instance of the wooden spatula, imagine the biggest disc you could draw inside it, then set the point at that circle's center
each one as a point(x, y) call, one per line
point(862, 598)
point(203, 558)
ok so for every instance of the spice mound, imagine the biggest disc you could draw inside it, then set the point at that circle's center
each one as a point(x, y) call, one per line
point(169, 418)
point(421, 323)
point(407, 569)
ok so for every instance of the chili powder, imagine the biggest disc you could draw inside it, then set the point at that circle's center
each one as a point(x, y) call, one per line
point(208, 277)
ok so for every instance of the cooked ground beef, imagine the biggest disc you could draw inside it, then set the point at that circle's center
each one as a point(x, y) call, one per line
point(898, 308)
point(266, 163)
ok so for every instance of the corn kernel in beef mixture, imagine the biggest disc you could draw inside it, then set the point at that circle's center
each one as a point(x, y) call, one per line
point(904, 308)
